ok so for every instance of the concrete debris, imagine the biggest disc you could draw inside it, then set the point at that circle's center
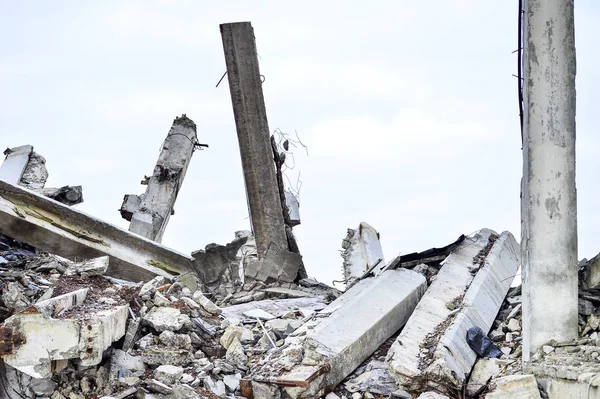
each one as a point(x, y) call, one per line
point(154, 208)
point(275, 265)
point(515, 386)
point(26, 168)
point(362, 253)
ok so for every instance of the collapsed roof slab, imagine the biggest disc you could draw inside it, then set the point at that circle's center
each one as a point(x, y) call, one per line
point(51, 226)
point(432, 351)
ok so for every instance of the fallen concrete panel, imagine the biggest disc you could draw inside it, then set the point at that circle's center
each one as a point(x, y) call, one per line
point(15, 163)
point(587, 386)
point(335, 346)
point(59, 229)
point(37, 337)
point(431, 351)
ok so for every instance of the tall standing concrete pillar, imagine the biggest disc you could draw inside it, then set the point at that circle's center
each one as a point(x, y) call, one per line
point(253, 136)
point(549, 203)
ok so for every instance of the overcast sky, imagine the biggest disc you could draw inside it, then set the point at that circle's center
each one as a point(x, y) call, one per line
point(408, 109)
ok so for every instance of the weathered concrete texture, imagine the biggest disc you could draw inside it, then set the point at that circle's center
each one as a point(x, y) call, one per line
point(91, 267)
point(156, 205)
point(362, 250)
point(342, 341)
point(549, 199)
point(219, 263)
point(15, 163)
point(59, 229)
point(253, 136)
point(516, 387)
point(41, 336)
point(431, 351)
point(35, 173)
point(275, 265)
point(587, 386)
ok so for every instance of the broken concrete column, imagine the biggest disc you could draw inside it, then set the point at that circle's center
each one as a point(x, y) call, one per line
point(33, 340)
point(549, 198)
point(362, 252)
point(432, 350)
point(150, 218)
point(329, 351)
point(253, 135)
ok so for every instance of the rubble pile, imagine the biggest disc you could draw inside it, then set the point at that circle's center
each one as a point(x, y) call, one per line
point(69, 330)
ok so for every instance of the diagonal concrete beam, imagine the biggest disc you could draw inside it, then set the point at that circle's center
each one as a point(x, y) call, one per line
point(432, 351)
point(64, 231)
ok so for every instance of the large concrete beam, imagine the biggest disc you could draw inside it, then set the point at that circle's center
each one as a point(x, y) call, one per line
point(432, 351)
point(355, 328)
point(549, 202)
point(61, 230)
point(150, 218)
point(253, 136)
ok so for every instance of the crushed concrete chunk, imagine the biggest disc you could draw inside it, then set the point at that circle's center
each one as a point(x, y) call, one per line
point(162, 318)
point(168, 374)
point(276, 265)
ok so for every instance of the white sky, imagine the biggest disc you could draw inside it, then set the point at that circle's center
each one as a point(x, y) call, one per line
point(408, 109)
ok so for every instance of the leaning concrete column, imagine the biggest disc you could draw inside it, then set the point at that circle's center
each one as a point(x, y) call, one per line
point(149, 213)
point(549, 204)
point(253, 136)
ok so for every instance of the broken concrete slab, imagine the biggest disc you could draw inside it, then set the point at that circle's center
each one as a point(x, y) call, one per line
point(150, 219)
point(336, 345)
point(515, 387)
point(362, 251)
point(42, 334)
point(484, 370)
point(166, 319)
point(432, 350)
point(220, 263)
point(15, 163)
point(61, 230)
point(35, 173)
